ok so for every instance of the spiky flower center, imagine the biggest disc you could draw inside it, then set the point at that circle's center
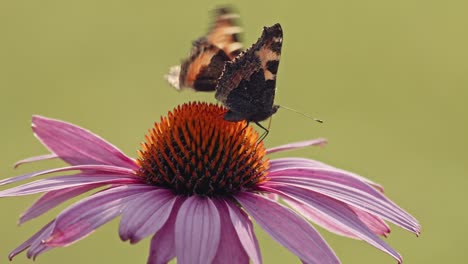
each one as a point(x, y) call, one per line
point(194, 151)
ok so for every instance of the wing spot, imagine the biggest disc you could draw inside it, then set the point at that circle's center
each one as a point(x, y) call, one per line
point(266, 55)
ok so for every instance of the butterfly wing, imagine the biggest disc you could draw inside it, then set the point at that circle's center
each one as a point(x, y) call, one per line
point(209, 53)
point(225, 32)
point(248, 83)
point(202, 70)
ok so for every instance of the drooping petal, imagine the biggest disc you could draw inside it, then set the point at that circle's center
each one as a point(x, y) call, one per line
point(34, 159)
point(162, 248)
point(377, 225)
point(76, 145)
point(37, 248)
point(338, 212)
point(244, 228)
point(346, 188)
point(63, 182)
point(289, 163)
point(85, 216)
point(35, 251)
point(83, 228)
point(43, 233)
point(230, 248)
point(278, 166)
point(197, 231)
point(296, 145)
point(103, 169)
point(322, 220)
point(52, 199)
point(286, 227)
point(146, 214)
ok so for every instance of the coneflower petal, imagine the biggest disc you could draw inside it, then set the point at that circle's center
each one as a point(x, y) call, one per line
point(68, 181)
point(146, 214)
point(230, 247)
point(52, 199)
point(288, 163)
point(245, 232)
point(43, 233)
point(296, 145)
point(162, 248)
point(76, 145)
point(338, 212)
point(37, 249)
point(320, 219)
point(94, 169)
point(375, 223)
point(360, 200)
point(82, 218)
point(35, 159)
point(277, 166)
point(346, 188)
point(197, 231)
point(288, 228)
point(37, 246)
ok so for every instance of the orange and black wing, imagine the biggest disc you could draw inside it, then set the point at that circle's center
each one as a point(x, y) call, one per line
point(209, 54)
point(225, 32)
point(248, 83)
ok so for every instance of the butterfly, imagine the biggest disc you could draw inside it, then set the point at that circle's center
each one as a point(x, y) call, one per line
point(247, 84)
point(201, 70)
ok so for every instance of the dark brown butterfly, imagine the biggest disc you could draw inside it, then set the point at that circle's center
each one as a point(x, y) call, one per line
point(209, 54)
point(248, 83)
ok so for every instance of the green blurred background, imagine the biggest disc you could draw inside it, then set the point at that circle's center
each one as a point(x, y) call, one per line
point(388, 77)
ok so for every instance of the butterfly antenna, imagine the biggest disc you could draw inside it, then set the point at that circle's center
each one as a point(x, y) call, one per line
point(302, 114)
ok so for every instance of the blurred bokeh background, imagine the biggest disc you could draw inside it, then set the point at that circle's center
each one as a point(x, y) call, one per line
point(389, 78)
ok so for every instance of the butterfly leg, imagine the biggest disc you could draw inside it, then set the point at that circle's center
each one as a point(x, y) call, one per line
point(246, 125)
point(265, 133)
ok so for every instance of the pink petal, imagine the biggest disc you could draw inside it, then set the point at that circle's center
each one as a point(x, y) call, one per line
point(346, 188)
point(146, 214)
point(288, 163)
point(34, 159)
point(104, 169)
point(69, 181)
point(320, 219)
point(52, 199)
point(288, 229)
point(278, 166)
point(85, 216)
point(377, 225)
point(271, 196)
point(296, 145)
point(245, 232)
point(76, 145)
point(38, 236)
point(38, 247)
point(36, 251)
point(230, 248)
point(197, 231)
point(338, 213)
point(162, 248)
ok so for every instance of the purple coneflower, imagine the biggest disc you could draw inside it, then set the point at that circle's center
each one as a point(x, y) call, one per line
point(193, 187)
